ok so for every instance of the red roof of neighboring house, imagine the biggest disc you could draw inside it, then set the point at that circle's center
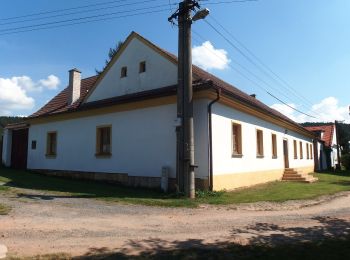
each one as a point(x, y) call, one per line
point(328, 131)
point(201, 79)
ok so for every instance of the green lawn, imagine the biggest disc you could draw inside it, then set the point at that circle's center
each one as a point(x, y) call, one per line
point(329, 183)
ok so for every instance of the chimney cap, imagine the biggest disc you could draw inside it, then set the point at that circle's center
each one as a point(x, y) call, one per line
point(75, 69)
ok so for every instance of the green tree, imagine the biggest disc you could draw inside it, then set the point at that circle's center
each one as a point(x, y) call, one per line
point(5, 120)
point(344, 136)
point(112, 52)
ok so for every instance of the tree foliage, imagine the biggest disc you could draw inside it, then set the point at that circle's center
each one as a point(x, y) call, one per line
point(111, 53)
point(5, 120)
point(344, 136)
point(345, 161)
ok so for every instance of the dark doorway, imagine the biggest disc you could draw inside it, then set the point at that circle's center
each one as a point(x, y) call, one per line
point(285, 153)
point(19, 149)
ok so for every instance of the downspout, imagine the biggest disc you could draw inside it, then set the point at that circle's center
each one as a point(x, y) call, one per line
point(210, 148)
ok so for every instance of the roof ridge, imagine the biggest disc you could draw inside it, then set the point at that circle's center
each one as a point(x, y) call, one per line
point(198, 73)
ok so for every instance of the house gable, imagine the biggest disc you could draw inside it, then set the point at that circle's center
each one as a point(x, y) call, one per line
point(160, 71)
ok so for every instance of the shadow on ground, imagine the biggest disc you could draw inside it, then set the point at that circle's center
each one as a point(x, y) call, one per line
point(328, 239)
point(76, 188)
point(50, 196)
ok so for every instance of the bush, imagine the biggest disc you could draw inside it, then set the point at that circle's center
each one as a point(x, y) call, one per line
point(345, 160)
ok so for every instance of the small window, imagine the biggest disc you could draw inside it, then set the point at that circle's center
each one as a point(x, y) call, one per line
point(307, 151)
point(295, 149)
point(301, 150)
point(274, 146)
point(103, 140)
point(51, 147)
point(124, 72)
point(236, 139)
point(259, 143)
point(142, 67)
point(33, 145)
point(311, 152)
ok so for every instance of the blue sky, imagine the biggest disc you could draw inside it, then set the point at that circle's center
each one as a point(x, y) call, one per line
point(306, 43)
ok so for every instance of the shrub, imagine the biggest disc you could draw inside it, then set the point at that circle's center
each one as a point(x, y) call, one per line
point(345, 160)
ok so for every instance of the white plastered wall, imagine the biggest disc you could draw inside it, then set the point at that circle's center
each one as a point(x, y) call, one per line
point(224, 163)
point(143, 141)
point(160, 72)
point(6, 150)
point(334, 153)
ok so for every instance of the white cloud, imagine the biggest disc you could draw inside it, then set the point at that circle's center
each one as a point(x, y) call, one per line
point(207, 57)
point(29, 85)
point(14, 92)
point(327, 110)
point(51, 82)
point(26, 83)
point(13, 97)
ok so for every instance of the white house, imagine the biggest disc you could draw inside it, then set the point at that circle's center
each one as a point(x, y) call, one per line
point(328, 147)
point(120, 127)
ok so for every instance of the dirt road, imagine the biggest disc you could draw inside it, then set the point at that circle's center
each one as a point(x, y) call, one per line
point(41, 224)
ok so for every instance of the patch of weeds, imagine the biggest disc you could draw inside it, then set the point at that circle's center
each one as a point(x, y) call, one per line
point(207, 193)
point(4, 210)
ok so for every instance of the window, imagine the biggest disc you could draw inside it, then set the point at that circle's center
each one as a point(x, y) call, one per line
point(274, 146)
point(124, 72)
point(295, 149)
point(301, 150)
point(33, 145)
point(259, 143)
point(311, 152)
point(236, 139)
point(307, 151)
point(51, 145)
point(142, 67)
point(103, 140)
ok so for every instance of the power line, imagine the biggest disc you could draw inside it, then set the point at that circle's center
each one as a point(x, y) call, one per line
point(79, 18)
point(258, 85)
point(83, 22)
point(243, 54)
point(62, 10)
point(229, 2)
point(253, 74)
point(260, 61)
point(290, 106)
point(78, 12)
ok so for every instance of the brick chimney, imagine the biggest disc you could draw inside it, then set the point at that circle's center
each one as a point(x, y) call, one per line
point(74, 85)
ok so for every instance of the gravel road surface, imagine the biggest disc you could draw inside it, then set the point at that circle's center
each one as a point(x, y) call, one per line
point(44, 223)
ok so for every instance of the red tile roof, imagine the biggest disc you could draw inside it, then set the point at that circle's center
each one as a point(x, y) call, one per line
point(328, 131)
point(59, 103)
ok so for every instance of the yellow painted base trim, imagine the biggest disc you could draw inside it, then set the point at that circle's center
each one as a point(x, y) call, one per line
point(247, 179)
point(239, 180)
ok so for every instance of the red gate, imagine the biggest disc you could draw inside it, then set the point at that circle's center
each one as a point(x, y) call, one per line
point(19, 150)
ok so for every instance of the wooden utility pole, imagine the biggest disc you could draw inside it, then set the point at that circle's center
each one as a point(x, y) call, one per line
point(185, 133)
